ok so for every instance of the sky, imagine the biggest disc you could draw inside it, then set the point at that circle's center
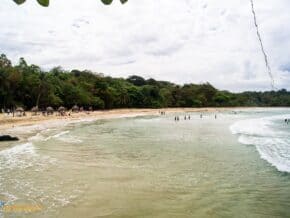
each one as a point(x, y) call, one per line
point(182, 41)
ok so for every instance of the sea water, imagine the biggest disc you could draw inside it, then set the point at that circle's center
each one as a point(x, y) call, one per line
point(235, 165)
point(271, 138)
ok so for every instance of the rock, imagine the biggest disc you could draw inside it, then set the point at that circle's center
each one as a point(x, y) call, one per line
point(8, 138)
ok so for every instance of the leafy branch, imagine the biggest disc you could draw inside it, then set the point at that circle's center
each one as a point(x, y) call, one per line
point(45, 3)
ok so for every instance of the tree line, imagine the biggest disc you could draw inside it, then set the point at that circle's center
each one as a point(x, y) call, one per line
point(29, 86)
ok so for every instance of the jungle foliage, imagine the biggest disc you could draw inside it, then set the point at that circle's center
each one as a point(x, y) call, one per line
point(28, 86)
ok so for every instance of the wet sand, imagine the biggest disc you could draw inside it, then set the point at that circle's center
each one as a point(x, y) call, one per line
point(8, 123)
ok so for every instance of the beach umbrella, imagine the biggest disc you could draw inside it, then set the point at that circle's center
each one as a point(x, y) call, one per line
point(75, 108)
point(61, 109)
point(19, 109)
point(34, 110)
point(49, 110)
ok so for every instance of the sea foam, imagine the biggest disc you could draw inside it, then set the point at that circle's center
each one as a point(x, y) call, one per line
point(270, 135)
point(17, 156)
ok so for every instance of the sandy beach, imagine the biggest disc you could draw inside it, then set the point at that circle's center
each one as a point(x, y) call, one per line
point(148, 166)
point(8, 123)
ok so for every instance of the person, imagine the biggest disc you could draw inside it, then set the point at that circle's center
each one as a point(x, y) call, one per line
point(285, 120)
point(200, 116)
point(189, 117)
point(184, 117)
point(215, 116)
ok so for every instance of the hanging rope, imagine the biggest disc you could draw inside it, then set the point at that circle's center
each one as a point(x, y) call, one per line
point(262, 46)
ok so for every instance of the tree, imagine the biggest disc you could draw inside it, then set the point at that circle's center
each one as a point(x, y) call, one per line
point(45, 3)
point(4, 61)
point(28, 85)
point(137, 80)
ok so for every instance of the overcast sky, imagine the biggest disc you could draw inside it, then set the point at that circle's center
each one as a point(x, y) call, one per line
point(183, 41)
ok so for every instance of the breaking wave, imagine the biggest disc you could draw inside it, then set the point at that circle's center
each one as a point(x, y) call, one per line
point(18, 156)
point(270, 135)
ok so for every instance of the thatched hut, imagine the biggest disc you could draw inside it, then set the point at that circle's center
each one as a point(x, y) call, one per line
point(49, 110)
point(61, 111)
point(34, 110)
point(75, 109)
point(19, 111)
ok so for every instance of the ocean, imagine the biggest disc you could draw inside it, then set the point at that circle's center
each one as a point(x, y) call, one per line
point(234, 165)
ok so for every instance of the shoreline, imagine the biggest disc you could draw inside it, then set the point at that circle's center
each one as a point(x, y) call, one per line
point(12, 125)
point(9, 122)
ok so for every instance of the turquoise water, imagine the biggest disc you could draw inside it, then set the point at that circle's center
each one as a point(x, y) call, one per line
point(234, 166)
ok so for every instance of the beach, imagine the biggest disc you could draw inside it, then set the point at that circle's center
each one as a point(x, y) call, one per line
point(138, 163)
point(150, 109)
point(8, 123)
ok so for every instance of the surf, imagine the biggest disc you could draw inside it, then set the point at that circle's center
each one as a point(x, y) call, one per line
point(271, 137)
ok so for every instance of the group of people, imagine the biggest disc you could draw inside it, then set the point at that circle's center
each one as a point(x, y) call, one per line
point(13, 112)
point(187, 117)
point(162, 112)
point(6, 111)
point(176, 118)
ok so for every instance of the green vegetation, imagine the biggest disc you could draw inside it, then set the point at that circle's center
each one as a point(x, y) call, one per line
point(28, 86)
point(45, 3)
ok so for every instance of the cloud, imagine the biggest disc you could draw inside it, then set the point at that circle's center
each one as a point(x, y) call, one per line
point(181, 41)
